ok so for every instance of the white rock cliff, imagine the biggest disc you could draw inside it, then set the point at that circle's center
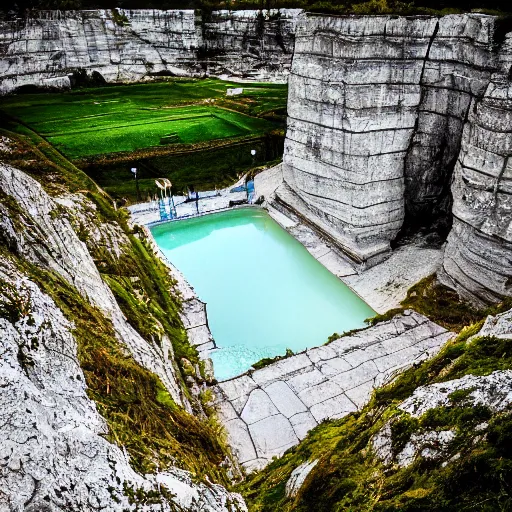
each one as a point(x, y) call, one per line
point(128, 45)
point(381, 110)
point(54, 453)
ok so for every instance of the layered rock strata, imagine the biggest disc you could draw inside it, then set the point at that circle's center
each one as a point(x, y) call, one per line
point(353, 99)
point(255, 44)
point(376, 110)
point(128, 45)
point(272, 409)
point(457, 69)
point(478, 256)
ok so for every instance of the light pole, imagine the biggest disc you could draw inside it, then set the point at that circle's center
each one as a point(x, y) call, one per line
point(134, 171)
point(253, 154)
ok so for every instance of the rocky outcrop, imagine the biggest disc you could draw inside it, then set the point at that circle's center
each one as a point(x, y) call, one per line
point(298, 476)
point(55, 452)
point(352, 105)
point(492, 392)
point(49, 240)
point(267, 411)
point(46, 47)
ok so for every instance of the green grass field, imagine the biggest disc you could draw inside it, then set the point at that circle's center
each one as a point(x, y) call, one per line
point(107, 120)
point(106, 131)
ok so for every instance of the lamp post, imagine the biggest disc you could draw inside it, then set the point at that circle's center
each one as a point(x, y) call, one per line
point(253, 154)
point(134, 171)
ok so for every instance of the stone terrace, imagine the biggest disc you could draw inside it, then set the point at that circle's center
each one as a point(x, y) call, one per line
point(270, 410)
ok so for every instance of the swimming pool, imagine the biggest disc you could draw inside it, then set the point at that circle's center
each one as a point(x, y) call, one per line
point(264, 291)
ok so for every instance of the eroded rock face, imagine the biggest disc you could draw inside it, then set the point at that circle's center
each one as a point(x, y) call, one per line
point(381, 112)
point(376, 111)
point(54, 453)
point(257, 44)
point(492, 392)
point(46, 47)
point(50, 241)
point(456, 70)
point(51, 429)
point(478, 256)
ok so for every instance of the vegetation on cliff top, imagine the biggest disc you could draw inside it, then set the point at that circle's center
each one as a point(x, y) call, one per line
point(322, 6)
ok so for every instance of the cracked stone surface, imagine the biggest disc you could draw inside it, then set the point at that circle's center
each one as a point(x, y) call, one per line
point(267, 411)
point(45, 47)
point(493, 391)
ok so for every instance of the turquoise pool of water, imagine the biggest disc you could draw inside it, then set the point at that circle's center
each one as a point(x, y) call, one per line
point(264, 291)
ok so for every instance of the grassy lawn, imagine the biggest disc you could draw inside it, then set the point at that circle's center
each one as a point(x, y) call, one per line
point(106, 120)
point(205, 170)
point(135, 130)
point(106, 131)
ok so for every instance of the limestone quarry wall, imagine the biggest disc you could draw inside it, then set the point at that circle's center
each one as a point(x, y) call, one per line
point(381, 110)
point(478, 256)
point(47, 46)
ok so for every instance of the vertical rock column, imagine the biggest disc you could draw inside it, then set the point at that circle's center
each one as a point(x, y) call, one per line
point(459, 66)
point(478, 256)
point(354, 93)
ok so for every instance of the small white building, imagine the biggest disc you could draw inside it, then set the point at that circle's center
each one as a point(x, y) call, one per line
point(235, 91)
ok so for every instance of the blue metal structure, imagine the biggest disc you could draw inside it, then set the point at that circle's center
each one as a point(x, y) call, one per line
point(163, 211)
point(250, 191)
